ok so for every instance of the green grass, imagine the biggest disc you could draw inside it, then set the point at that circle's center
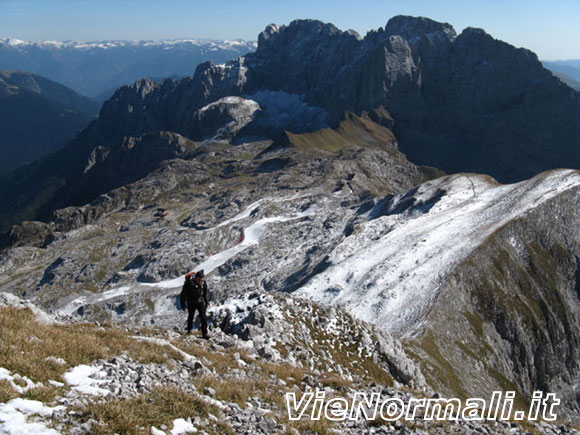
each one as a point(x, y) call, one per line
point(442, 370)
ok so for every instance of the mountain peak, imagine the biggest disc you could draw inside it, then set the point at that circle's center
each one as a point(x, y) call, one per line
point(300, 32)
point(412, 28)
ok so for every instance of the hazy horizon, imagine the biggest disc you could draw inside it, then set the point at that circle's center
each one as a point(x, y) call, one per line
point(547, 28)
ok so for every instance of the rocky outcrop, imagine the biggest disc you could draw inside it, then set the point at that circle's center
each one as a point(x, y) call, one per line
point(276, 325)
point(224, 118)
point(223, 384)
point(133, 159)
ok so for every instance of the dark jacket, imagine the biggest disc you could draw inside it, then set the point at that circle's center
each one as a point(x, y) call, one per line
point(193, 294)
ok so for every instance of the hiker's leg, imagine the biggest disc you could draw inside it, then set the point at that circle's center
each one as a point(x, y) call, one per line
point(202, 318)
point(190, 314)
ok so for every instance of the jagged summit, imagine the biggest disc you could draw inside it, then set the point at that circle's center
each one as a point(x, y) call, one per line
point(300, 30)
point(412, 28)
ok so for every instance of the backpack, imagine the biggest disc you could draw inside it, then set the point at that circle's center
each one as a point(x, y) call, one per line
point(186, 290)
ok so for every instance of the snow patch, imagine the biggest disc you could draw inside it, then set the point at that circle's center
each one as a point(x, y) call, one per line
point(245, 214)
point(82, 380)
point(74, 305)
point(162, 342)
point(388, 272)
point(15, 416)
point(289, 111)
point(252, 237)
point(181, 426)
point(241, 111)
point(5, 375)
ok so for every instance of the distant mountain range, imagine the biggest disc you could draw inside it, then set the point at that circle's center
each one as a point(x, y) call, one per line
point(96, 69)
point(37, 116)
point(567, 70)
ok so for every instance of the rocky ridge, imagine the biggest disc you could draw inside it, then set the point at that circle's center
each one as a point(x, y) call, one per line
point(259, 217)
point(420, 71)
point(200, 371)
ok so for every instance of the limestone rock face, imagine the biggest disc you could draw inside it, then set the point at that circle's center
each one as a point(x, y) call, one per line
point(462, 102)
point(136, 157)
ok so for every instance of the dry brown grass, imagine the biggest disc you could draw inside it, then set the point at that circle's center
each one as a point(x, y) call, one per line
point(235, 390)
point(221, 361)
point(344, 353)
point(7, 393)
point(26, 344)
point(290, 374)
point(333, 380)
point(136, 416)
point(320, 427)
point(45, 394)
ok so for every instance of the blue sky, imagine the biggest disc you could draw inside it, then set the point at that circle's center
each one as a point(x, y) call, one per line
point(550, 28)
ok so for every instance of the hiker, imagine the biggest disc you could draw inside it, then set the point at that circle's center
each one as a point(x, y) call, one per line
point(194, 294)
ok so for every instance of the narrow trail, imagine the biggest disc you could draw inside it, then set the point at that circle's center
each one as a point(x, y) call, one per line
point(250, 236)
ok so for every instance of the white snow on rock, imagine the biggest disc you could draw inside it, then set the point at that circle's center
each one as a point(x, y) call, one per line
point(17, 417)
point(389, 269)
point(58, 361)
point(5, 375)
point(241, 109)
point(74, 305)
point(181, 426)
point(238, 307)
point(290, 111)
point(243, 215)
point(82, 380)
